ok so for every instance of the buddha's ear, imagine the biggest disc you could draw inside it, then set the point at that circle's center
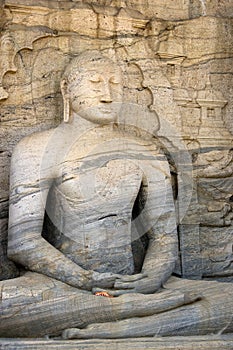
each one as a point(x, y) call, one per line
point(66, 100)
point(64, 87)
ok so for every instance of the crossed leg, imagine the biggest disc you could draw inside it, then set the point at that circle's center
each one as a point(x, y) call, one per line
point(34, 305)
point(212, 314)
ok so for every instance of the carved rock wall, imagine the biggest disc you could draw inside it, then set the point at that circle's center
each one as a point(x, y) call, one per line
point(177, 59)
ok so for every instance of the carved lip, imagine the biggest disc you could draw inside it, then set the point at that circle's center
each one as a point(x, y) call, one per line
point(105, 110)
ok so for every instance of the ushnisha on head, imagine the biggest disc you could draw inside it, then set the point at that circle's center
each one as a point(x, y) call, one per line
point(92, 88)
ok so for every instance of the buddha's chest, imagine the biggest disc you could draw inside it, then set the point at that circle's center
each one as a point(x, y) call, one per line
point(106, 182)
point(94, 204)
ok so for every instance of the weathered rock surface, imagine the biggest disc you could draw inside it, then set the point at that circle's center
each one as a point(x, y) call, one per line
point(177, 59)
point(183, 69)
point(201, 343)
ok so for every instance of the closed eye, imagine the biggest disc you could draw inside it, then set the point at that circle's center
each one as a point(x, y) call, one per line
point(95, 79)
point(115, 80)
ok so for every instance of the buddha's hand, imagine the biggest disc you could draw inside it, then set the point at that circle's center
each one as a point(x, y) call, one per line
point(124, 284)
point(104, 280)
point(147, 284)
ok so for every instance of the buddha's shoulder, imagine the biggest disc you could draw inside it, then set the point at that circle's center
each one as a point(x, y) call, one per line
point(35, 141)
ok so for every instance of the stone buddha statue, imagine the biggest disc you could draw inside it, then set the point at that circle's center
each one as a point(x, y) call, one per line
point(93, 226)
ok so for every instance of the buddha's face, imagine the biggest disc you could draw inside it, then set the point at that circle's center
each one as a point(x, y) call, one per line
point(96, 93)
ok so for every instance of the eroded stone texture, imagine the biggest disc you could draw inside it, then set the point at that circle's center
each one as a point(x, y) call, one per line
point(223, 342)
point(110, 224)
point(177, 59)
point(33, 89)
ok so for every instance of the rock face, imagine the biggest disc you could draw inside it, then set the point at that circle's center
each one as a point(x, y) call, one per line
point(177, 63)
point(92, 214)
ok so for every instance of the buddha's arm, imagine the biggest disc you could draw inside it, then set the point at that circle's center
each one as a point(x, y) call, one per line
point(160, 258)
point(159, 221)
point(29, 188)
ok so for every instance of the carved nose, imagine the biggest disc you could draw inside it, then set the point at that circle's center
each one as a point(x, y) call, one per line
point(106, 96)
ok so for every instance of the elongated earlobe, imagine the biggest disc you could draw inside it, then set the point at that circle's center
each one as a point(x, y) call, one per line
point(66, 111)
point(66, 102)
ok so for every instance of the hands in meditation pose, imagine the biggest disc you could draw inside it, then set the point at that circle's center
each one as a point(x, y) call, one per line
point(91, 211)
